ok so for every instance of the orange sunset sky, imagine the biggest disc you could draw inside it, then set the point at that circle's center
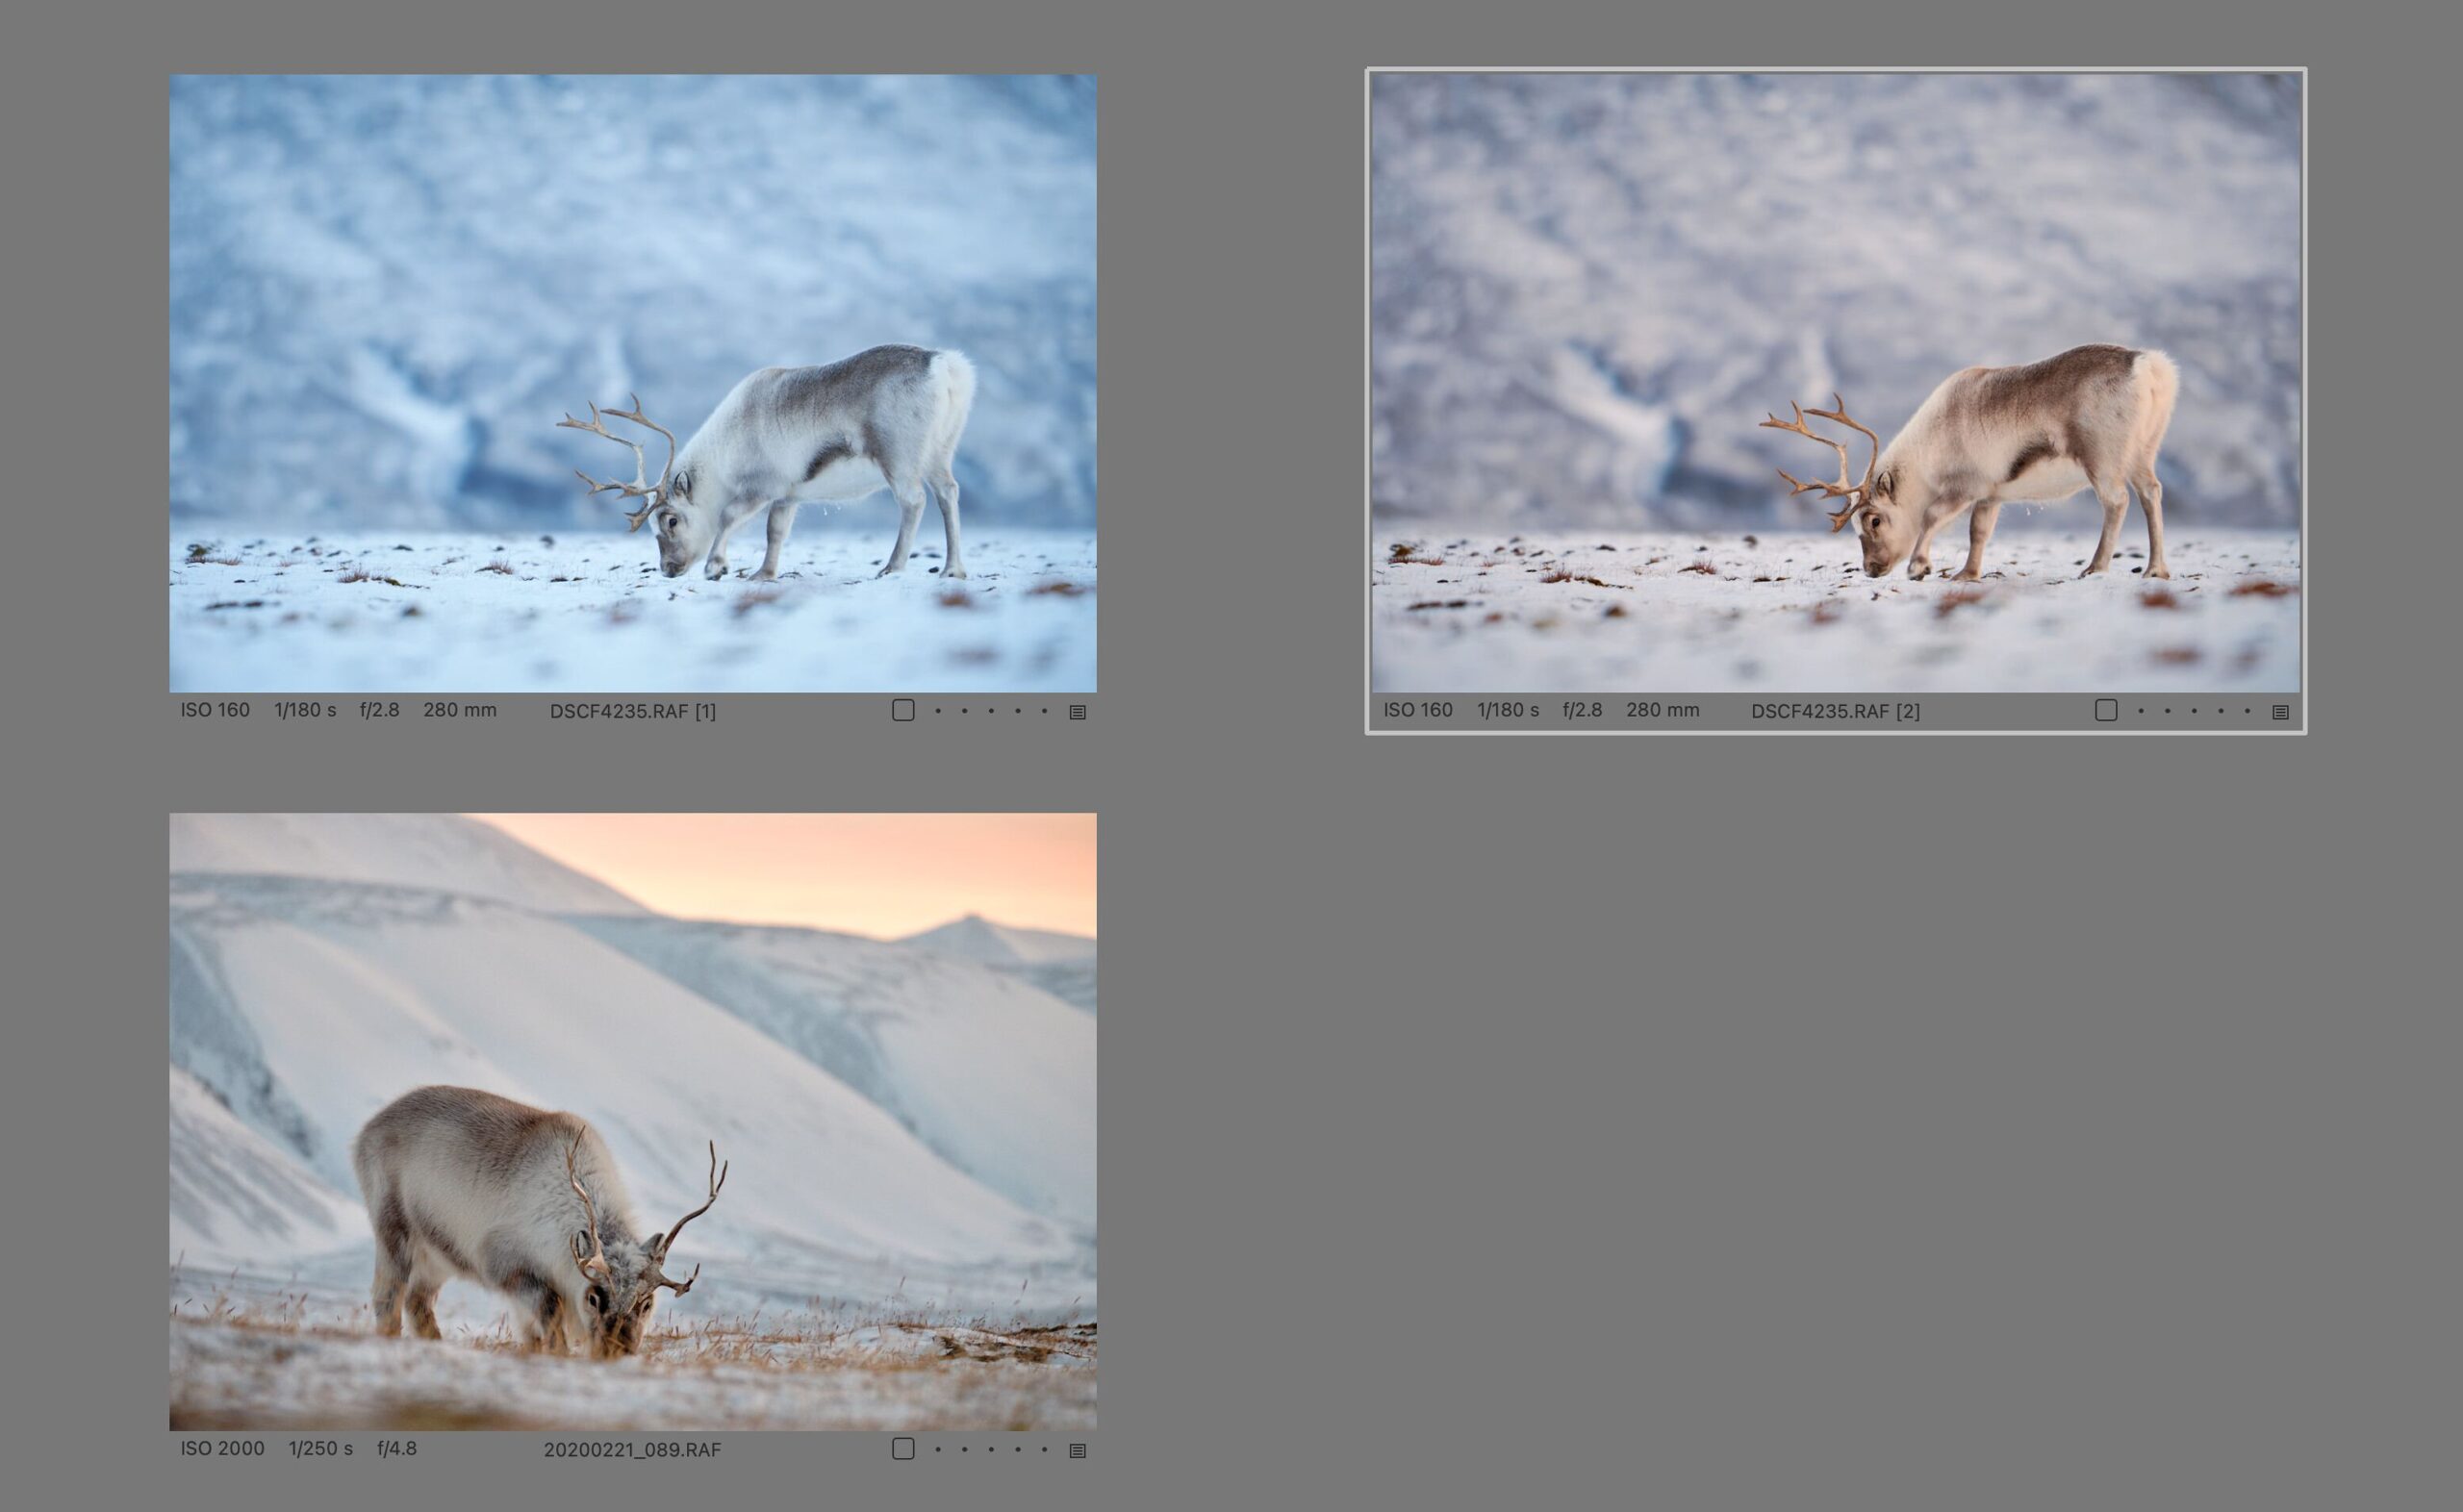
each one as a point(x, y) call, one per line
point(880, 874)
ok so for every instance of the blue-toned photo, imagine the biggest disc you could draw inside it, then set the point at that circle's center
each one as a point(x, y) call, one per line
point(522, 384)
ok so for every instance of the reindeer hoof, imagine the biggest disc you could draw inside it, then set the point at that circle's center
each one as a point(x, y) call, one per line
point(955, 572)
point(1969, 576)
point(2159, 570)
point(765, 575)
point(890, 571)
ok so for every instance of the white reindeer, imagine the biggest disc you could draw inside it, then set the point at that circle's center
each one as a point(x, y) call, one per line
point(784, 437)
point(465, 1183)
point(2092, 418)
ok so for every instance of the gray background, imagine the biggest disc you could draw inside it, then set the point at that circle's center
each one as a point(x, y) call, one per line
point(1680, 1124)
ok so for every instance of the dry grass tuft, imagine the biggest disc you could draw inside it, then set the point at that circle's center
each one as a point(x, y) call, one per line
point(1561, 575)
point(2160, 598)
point(755, 599)
point(1958, 598)
point(2264, 588)
point(1703, 567)
point(499, 565)
point(1826, 612)
point(1442, 603)
point(1059, 587)
point(359, 573)
point(955, 598)
point(2178, 655)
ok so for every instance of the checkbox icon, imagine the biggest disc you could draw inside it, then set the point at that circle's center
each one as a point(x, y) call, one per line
point(902, 709)
point(902, 1448)
point(2107, 710)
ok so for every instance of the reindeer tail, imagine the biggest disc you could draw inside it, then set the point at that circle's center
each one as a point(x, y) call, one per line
point(955, 376)
point(2156, 383)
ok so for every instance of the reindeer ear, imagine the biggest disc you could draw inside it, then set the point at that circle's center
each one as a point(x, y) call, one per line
point(680, 486)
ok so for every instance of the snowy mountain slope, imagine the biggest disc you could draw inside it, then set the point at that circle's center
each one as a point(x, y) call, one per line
point(976, 938)
point(443, 851)
point(1073, 982)
point(351, 994)
point(1062, 964)
point(236, 1192)
point(384, 290)
point(995, 1076)
point(1587, 288)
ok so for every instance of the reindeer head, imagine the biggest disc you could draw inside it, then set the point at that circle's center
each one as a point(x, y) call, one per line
point(1885, 532)
point(624, 1282)
point(682, 532)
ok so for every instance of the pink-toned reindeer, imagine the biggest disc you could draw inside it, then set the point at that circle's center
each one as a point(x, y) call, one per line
point(2092, 418)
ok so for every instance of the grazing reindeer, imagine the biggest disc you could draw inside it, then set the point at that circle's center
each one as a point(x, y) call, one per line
point(785, 437)
point(466, 1183)
point(2092, 418)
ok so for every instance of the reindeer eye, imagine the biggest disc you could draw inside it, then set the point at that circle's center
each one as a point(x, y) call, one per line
point(599, 1299)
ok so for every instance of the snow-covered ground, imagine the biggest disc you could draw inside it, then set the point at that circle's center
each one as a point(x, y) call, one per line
point(1476, 611)
point(298, 1363)
point(390, 612)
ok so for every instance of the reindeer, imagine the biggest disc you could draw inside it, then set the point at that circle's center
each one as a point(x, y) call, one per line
point(2092, 418)
point(465, 1183)
point(785, 437)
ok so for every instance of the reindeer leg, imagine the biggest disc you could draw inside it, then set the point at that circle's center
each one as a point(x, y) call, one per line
point(782, 518)
point(393, 1266)
point(387, 1294)
point(2115, 498)
point(944, 491)
point(2150, 503)
point(733, 516)
point(1920, 560)
point(1979, 530)
point(911, 511)
point(422, 1306)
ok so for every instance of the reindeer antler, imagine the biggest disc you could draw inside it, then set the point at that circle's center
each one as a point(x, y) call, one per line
point(593, 1263)
point(638, 487)
point(718, 1179)
point(1854, 493)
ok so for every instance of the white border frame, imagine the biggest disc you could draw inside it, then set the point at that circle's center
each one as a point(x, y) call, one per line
point(1368, 409)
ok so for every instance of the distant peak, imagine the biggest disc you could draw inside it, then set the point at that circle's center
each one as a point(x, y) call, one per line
point(973, 937)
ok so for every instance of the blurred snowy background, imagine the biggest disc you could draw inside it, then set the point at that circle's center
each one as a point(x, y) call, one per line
point(385, 290)
point(1587, 288)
